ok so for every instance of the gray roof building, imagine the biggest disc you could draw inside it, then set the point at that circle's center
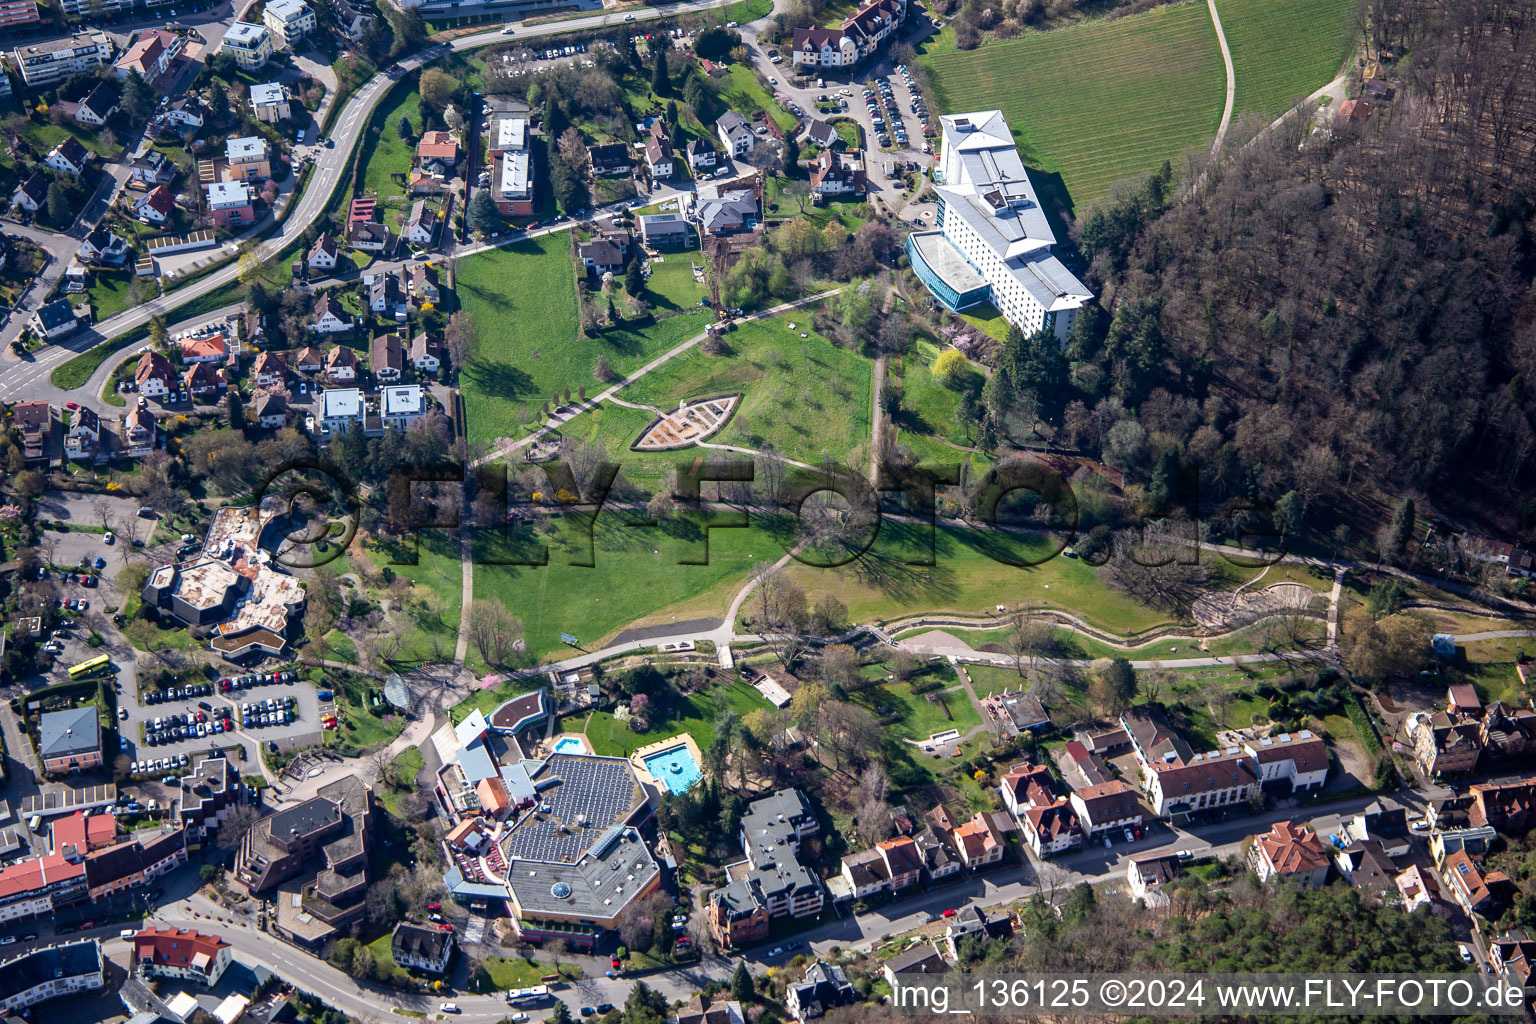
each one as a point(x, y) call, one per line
point(64, 733)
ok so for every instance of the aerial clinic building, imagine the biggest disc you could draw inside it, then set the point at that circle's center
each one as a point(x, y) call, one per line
point(992, 241)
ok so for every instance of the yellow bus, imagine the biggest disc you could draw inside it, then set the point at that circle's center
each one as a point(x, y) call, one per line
point(90, 667)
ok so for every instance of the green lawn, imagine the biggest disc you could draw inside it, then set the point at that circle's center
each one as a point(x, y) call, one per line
point(695, 715)
point(509, 973)
point(988, 320)
point(849, 132)
point(928, 404)
point(44, 137)
point(108, 292)
point(966, 578)
point(743, 93)
point(1099, 101)
point(434, 605)
point(806, 396)
point(386, 153)
point(1284, 49)
point(637, 572)
point(671, 284)
point(921, 717)
point(743, 11)
point(407, 764)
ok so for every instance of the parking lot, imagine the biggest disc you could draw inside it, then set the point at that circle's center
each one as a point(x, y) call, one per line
point(222, 716)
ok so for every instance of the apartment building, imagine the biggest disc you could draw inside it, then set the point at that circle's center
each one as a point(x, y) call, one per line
point(250, 45)
point(47, 63)
point(288, 20)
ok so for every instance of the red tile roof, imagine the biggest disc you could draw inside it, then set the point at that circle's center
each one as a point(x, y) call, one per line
point(175, 947)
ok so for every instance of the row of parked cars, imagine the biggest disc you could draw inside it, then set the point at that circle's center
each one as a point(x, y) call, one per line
point(246, 682)
point(171, 693)
point(187, 725)
point(155, 765)
point(272, 711)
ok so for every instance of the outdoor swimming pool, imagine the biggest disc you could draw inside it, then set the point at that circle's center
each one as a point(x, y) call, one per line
point(570, 745)
point(675, 768)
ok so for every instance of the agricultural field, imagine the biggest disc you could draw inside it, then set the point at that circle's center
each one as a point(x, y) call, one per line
point(1284, 49)
point(1096, 102)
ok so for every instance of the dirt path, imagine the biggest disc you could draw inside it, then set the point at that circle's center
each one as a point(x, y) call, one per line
point(1226, 58)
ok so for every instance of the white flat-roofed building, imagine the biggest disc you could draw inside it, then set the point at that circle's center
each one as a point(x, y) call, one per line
point(288, 20)
point(269, 101)
point(42, 64)
point(512, 133)
point(339, 408)
point(401, 405)
point(250, 45)
point(992, 241)
point(514, 184)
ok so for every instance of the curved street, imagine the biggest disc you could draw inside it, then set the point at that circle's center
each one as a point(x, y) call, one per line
point(22, 376)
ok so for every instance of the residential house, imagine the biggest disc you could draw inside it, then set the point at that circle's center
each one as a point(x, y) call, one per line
point(83, 441)
point(421, 226)
point(34, 421)
point(438, 153)
point(139, 432)
point(903, 863)
point(611, 160)
point(1366, 866)
point(737, 915)
point(514, 183)
point(60, 968)
point(269, 370)
point(837, 174)
point(1387, 826)
point(386, 296)
point(1504, 731)
point(69, 157)
point(250, 45)
point(659, 157)
point(1051, 828)
point(183, 955)
point(1290, 763)
point(865, 873)
point(1089, 767)
point(69, 741)
point(664, 232)
point(421, 281)
point(187, 111)
point(1291, 852)
point(421, 947)
point(735, 134)
point(727, 212)
point(201, 380)
point(1476, 890)
point(322, 255)
point(922, 959)
point(1513, 958)
point(330, 318)
point(1443, 746)
point(154, 377)
point(824, 987)
point(288, 21)
point(156, 207)
point(371, 236)
point(1106, 806)
point(246, 158)
point(153, 168)
point(105, 247)
point(701, 1009)
point(1208, 782)
point(859, 37)
point(979, 842)
point(703, 157)
point(1148, 875)
point(426, 352)
point(386, 356)
point(339, 410)
point(353, 17)
point(340, 365)
point(230, 203)
point(269, 102)
point(13, 15)
point(1506, 807)
point(31, 194)
point(150, 55)
point(1153, 738)
point(1417, 887)
point(53, 319)
point(935, 846)
point(99, 104)
point(823, 134)
point(204, 348)
point(601, 256)
point(270, 411)
point(402, 405)
point(1027, 785)
point(974, 922)
point(308, 360)
point(771, 879)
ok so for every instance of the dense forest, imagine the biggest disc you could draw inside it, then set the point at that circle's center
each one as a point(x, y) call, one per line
point(1344, 314)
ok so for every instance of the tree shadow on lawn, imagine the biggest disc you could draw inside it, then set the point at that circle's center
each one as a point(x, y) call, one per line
point(500, 380)
point(626, 340)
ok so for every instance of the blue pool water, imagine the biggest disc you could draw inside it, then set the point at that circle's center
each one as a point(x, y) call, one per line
point(570, 745)
point(676, 769)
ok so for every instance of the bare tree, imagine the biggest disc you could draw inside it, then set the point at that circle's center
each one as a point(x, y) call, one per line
point(101, 508)
point(233, 829)
point(494, 631)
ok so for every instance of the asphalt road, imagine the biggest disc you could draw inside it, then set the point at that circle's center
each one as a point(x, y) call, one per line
point(21, 379)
